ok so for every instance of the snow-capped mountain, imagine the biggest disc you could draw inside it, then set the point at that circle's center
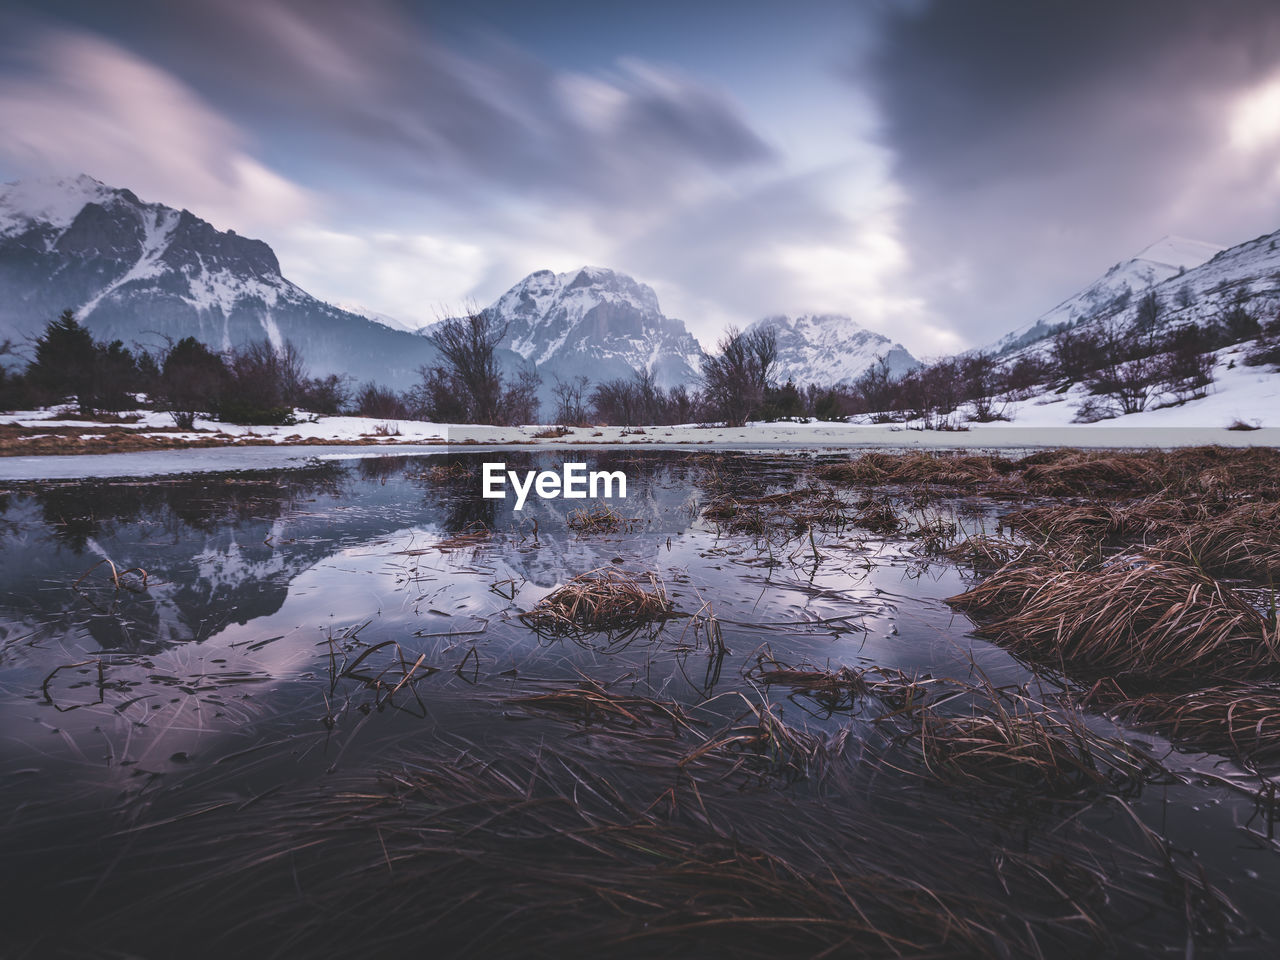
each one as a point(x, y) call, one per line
point(598, 323)
point(830, 349)
point(142, 272)
point(1114, 291)
point(1246, 275)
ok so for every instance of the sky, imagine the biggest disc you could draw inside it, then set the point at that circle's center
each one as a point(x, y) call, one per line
point(942, 172)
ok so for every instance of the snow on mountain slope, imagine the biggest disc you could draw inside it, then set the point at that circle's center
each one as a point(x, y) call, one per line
point(143, 272)
point(598, 323)
point(50, 204)
point(830, 349)
point(1245, 276)
point(395, 323)
point(1167, 258)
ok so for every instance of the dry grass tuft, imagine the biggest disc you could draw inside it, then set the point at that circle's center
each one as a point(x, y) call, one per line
point(940, 468)
point(552, 433)
point(760, 743)
point(601, 519)
point(601, 600)
point(1100, 522)
point(988, 553)
point(1021, 746)
point(456, 470)
point(591, 704)
point(878, 515)
point(842, 689)
point(1091, 473)
point(1146, 620)
point(789, 512)
point(1243, 542)
point(1236, 720)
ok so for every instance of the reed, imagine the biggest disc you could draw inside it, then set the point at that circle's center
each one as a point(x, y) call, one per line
point(605, 599)
point(1017, 744)
point(1241, 721)
point(601, 518)
point(1149, 620)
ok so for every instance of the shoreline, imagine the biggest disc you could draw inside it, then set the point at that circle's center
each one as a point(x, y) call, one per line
point(263, 453)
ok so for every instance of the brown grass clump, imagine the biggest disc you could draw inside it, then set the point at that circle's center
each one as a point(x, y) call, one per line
point(842, 689)
point(591, 704)
point(791, 511)
point(878, 516)
point(940, 468)
point(1243, 542)
point(1237, 720)
point(1238, 424)
point(1021, 746)
point(868, 468)
point(1099, 522)
point(1091, 473)
point(760, 742)
point(566, 854)
point(953, 470)
point(984, 552)
point(1146, 620)
point(552, 433)
point(601, 600)
point(600, 519)
point(456, 470)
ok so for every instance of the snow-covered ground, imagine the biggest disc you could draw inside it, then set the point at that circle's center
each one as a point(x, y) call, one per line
point(1250, 395)
point(1239, 394)
point(320, 429)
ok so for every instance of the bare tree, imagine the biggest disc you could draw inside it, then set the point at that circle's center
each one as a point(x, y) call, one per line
point(763, 344)
point(736, 376)
point(614, 402)
point(1186, 369)
point(1077, 353)
point(377, 401)
point(520, 402)
point(571, 400)
point(469, 345)
point(1127, 376)
point(876, 388)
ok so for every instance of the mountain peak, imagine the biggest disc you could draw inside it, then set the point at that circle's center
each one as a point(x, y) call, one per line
point(1178, 252)
point(830, 348)
point(52, 200)
point(595, 321)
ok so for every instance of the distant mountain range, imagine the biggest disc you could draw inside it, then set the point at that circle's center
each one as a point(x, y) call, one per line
point(143, 272)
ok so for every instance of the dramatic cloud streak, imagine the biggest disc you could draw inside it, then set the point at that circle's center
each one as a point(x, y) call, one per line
point(85, 104)
point(943, 171)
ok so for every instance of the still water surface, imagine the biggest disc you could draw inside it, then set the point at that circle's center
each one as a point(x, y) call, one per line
point(232, 670)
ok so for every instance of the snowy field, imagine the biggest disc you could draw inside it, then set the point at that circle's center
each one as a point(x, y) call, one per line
point(1239, 395)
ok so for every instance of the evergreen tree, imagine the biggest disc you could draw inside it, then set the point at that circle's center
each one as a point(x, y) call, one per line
point(65, 363)
point(192, 380)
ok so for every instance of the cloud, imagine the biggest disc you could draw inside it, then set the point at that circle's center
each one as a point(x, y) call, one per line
point(82, 104)
point(414, 277)
point(412, 170)
point(1039, 143)
point(368, 85)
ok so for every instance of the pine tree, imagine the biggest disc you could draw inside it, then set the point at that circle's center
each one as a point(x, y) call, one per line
point(65, 363)
point(192, 381)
